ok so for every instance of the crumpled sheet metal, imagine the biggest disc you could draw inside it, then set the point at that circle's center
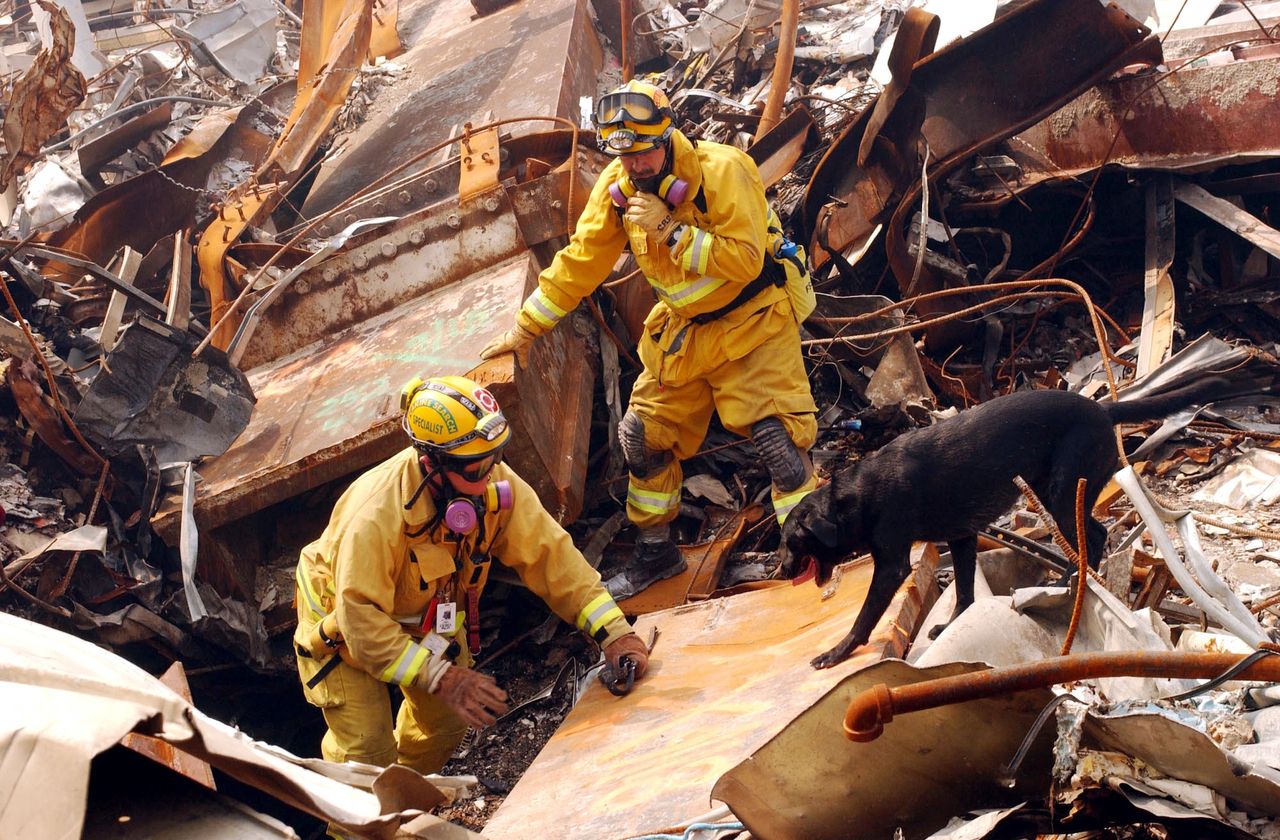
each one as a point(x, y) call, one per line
point(239, 39)
point(156, 394)
point(25, 383)
point(961, 99)
point(143, 210)
point(1185, 753)
point(67, 700)
point(724, 677)
point(808, 783)
point(1253, 479)
point(42, 99)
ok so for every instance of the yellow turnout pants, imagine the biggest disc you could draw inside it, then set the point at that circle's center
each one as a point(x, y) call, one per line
point(746, 366)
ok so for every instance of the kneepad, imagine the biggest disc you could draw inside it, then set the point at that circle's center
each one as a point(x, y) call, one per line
point(786, 465)
point(642, 462)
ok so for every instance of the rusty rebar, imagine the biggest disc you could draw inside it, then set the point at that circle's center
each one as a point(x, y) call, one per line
point(1082, 563)
point(1094, 317)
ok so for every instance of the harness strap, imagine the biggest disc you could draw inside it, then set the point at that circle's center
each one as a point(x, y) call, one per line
point(772, 274)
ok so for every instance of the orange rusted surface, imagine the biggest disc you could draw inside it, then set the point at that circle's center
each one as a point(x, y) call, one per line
point(725, 676)
point(384, 40)
point(334, 45)
point(165, 753)
point(331, 409)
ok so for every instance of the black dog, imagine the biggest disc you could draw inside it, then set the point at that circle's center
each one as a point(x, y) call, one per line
point(944, 483)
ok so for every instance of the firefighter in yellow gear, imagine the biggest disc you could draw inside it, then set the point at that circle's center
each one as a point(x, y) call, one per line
point(390, 592)
point(722, 336)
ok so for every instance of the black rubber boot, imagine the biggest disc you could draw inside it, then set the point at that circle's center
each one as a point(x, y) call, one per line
point(652, 562)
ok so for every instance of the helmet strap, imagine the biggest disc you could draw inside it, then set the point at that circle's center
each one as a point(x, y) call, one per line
point(432, 473)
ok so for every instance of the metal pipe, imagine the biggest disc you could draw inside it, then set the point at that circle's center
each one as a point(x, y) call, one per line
point(129, 109)
point(871, 709)
point(781, 80)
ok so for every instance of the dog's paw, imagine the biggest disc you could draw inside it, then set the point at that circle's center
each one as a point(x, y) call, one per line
point(832, 657)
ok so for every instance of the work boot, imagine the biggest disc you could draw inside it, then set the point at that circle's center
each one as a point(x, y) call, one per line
point(652, 562)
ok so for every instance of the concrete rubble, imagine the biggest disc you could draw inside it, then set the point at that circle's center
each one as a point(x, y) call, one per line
point(233, 228)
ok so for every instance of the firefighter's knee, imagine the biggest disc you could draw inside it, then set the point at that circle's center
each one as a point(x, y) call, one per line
point(787, 465)
point(642, 462)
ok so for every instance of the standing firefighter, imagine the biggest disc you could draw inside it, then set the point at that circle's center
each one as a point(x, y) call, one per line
point(723, 335)
point(390, 592)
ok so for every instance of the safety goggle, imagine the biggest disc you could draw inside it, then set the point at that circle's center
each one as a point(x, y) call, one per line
point(475, 470)
point(626, 106)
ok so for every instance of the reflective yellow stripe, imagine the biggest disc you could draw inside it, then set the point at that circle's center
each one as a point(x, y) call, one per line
point(651, 502)
point(783, 505)
point(688, 292)
point(597, 614)
point(697, 255)
point(407, 665)
point(308, 594)
point(542, 310)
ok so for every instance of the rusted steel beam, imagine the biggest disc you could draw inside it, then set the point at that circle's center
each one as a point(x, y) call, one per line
point(1194, 119)
point(778, 150)
point(165, 753)
point(330, 409)
point(536, 59)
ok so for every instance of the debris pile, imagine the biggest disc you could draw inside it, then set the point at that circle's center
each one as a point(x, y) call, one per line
point(232, 231)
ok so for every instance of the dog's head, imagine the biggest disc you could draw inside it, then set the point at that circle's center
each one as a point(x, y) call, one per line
point(814, 533)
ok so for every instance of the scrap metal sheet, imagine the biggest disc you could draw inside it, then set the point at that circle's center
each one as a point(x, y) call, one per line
point(42, 99)
point(725, 676)
point(811, 783)
point(332, 407)
point(66, 700)
point(524, 59)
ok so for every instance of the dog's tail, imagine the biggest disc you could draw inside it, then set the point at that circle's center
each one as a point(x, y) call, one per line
point(1162, 404)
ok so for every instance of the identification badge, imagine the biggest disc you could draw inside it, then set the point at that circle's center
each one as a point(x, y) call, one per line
point(446, 618)
point(435, 643)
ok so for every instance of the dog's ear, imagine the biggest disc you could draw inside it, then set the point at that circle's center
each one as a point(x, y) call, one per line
point(824, 531)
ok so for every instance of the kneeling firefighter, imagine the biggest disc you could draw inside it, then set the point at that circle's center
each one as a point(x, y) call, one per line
point(390, 592)
point(723, 335)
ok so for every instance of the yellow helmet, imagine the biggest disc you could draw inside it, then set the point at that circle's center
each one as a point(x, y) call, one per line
point(634, 118)
point(454, 418)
